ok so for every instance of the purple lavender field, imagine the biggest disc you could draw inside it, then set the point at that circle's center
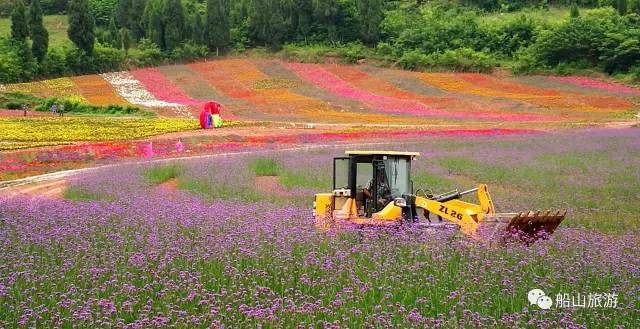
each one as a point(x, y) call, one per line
point(204, 244)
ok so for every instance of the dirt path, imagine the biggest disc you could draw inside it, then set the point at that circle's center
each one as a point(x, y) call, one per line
point(270, 185)
point(48, 189)
point(34, 183)
point(20, 114)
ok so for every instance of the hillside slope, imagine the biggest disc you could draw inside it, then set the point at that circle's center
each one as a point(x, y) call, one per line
point(259, 89)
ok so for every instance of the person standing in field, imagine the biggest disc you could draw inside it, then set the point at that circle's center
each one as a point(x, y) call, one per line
point(54, 109)
point(25, 108)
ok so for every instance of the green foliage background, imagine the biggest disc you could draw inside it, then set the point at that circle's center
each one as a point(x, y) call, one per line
point(526, 36)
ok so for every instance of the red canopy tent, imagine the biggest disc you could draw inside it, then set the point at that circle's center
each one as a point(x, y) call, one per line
point(210, 108)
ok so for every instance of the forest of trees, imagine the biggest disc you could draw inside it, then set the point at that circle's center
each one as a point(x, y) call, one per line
point(116, 34)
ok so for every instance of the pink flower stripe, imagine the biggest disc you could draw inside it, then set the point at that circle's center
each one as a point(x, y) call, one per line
point(308, 138)
point(328, 81)
point(597, 84)
point(164, 89)
point(456, 107)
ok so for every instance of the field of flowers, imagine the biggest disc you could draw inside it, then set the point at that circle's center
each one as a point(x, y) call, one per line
point(199, 244)
point(261, 89)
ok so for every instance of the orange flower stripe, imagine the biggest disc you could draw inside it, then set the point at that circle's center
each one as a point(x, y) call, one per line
point(487, 86)
point(97, 91)
point(239, 78)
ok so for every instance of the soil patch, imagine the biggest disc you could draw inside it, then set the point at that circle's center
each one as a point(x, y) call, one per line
point(50, 189)
point(270, 185)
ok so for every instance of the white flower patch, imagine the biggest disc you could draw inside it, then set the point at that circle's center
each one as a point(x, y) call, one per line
point(135, 93)
point(3, 88)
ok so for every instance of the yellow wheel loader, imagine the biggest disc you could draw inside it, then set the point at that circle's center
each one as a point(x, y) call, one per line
point(374, 188)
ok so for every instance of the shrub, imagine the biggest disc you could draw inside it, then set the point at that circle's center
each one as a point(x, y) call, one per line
point(462, 60)
point(107, 59)
point(511, 35)
point(465, 60)
point(415, 60)
point(353, 52)
point(54, 63)
point(75, 107)
point(525, 61)
point(188, 52)
point(635, 72)
point(601, 38)
point(16, 62)
point(14, 101)
point(147, 53)
point(315, 53)
point(13, 105)
point(162, 174)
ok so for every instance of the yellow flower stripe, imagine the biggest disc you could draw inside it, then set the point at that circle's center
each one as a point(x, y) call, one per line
point(72, 129)
point(61, 87)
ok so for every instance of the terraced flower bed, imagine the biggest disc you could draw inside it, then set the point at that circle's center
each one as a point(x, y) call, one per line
point(278, 91)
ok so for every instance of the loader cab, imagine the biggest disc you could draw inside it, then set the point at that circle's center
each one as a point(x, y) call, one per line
point(386, 173)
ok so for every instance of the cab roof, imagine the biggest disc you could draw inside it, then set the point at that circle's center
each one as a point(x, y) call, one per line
point(391, 153)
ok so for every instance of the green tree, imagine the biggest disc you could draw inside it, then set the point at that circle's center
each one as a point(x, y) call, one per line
point(217, 30)
point(153, 22)
point(575, 11)
point(114, 34)
point(129, 15)
point(174, 24)
point(302, 19)
point(81, 26)
point(266, 22)
point(125, 38)
point(135, 21)
point(39, 34)
point(15, 63)
point(371, 15)
point(103, 10)
point(19, 23)
point(325, 14)
point(123, 12)
point(198, 31)
point(622, 7)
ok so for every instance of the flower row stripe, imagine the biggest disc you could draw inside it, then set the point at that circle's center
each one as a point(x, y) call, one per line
point(612, 87)
point(238, 79)
point(192, 83)
point(163, 89)
point(321, 77)
point(60, 87)
point(134, 92)
point(465, 84)
point(97, 91)
point(454, 107)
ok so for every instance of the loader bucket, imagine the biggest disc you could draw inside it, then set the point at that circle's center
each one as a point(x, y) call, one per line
point(533, 224)
point(527, 227)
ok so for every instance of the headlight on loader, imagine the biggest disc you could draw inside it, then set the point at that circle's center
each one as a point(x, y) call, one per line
point(400, 202)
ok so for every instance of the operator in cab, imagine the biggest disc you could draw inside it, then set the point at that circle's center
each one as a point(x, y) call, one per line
point(384, 192)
